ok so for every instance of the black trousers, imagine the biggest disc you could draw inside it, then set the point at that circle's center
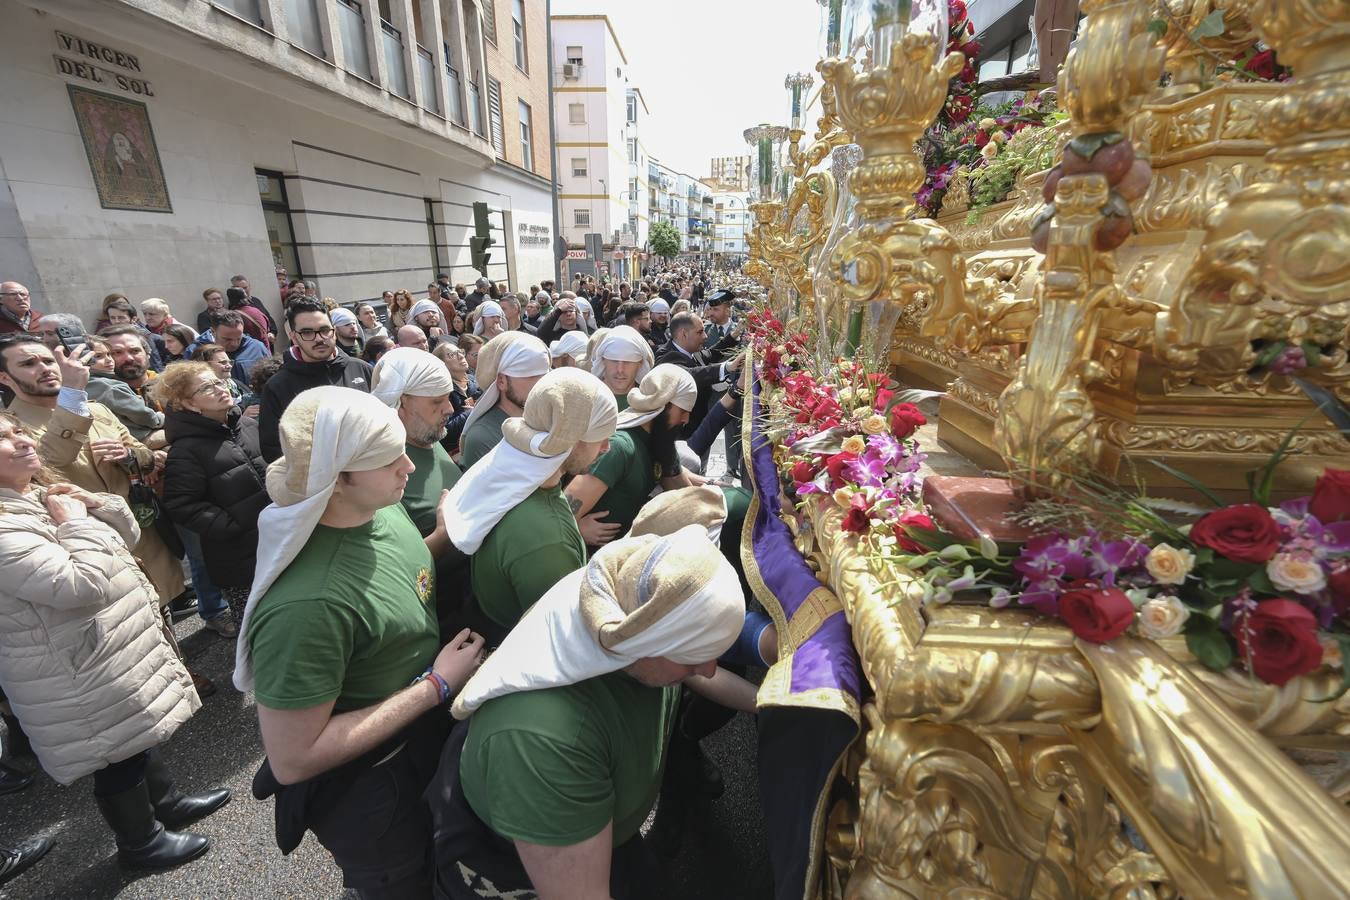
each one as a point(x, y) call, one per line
point(380, 831)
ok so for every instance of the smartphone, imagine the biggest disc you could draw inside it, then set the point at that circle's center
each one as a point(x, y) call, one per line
point(69, 337)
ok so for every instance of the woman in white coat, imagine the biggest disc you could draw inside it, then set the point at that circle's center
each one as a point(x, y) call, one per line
point(84, 658)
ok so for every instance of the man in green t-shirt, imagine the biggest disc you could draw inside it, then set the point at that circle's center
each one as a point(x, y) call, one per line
point(509, 366)
point(340, 646)
point(563, 755)
point(509, 511)
point(607, 498)
point(418, 385)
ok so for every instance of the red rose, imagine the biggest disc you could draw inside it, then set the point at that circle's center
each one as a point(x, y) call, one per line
point(1281, 640)
point(1243, 533)
point(884, 396)
point(835, 465)
point(1331, 496)
point(858, 518)
point(803, 472)
point(912, 519)
point(981, 138)
point(905, 420)
point(1262, 65)
point(1096, 614)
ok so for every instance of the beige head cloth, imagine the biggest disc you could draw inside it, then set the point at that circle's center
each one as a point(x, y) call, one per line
point(565, 406)
point(669, 511)
point(512, 353)
point(594, 341)
point(412, 371)
point(639, 597)
point(663, 385)
point(324, 432)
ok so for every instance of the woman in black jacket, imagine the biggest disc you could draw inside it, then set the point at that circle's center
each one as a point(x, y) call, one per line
point(215, 479)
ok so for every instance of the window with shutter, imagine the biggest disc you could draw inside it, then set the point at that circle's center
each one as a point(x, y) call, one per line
point(495, 116)
point(490, 20)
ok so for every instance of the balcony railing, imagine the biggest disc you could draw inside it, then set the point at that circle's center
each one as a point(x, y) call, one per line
point(392, 42)
point(426, 80)
point(352, 26)
point(452, 88)
point(475, 109)
point(302, 26)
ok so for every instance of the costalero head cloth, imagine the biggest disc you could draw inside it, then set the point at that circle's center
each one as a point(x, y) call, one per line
point(566, 406)
point(674, 597)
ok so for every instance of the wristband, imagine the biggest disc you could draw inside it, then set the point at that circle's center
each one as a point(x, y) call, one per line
point(442, 686)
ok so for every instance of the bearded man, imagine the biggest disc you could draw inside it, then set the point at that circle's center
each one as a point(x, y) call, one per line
point(508, 367)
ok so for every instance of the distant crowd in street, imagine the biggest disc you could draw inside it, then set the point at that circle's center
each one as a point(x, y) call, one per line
point(366, 496)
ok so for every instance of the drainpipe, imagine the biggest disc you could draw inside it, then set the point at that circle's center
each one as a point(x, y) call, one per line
point(558, 244)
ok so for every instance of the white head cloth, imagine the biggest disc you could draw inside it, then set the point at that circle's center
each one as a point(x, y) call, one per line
point(566, 406)
point(424, 306)
point(572, 343)
point(513, 353)
point(675, 597)
point(409, 370)
point(543, 298)
point(625, 344)
point(587, 312)
point(324, 432)
point(659, 306)
point(663, 385)
point(592, 342)
point(341, 316)
point(486, 310)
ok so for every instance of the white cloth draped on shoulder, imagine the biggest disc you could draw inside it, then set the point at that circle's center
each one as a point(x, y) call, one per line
point(565, 407)
point(639, 597)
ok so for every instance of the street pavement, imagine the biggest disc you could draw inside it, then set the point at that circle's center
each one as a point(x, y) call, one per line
point(720, 851)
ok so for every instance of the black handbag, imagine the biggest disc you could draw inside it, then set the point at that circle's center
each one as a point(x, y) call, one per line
point(145, 506)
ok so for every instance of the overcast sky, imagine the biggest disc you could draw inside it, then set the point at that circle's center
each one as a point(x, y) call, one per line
point(709, 69)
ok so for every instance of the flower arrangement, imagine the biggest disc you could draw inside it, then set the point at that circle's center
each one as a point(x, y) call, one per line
point(961, 90)
point(846, 436)
point(1265, 586)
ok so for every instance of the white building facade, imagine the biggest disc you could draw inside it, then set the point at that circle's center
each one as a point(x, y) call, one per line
point(599, 155)
point(732, 222)
point(156, 147)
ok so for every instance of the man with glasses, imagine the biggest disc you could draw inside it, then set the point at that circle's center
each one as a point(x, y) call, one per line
point(16, 310)
point(313, 360)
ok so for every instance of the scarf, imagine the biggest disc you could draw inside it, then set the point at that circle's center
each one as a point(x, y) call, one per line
point(624, 344)
point(412, 371)
point(486, 310)
point(639, 597)
point(566, 406)
point(663, 385)
point(572, 343)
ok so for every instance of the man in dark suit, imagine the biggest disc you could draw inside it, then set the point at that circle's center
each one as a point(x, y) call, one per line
point(685, 349)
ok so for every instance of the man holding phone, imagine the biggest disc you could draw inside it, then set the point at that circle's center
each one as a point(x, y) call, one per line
point(83, 440)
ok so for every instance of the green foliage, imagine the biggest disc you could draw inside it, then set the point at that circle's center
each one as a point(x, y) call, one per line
point(1208, 643)
point(1030, 150)
point(665, 240)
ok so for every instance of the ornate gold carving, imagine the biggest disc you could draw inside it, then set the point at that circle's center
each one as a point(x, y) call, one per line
point(1273, 265)
point(970, 395)
point(1216, 440)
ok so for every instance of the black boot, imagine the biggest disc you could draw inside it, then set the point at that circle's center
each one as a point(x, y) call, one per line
point(172, 807)
point(14, 860)
point(142, 842)
point(12, 780)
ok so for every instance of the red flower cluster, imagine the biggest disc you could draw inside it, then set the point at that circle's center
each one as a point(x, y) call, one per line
point(1280, 639)
point(911, 518)
point(961, 91)
point(857, 520)
point(810, 402)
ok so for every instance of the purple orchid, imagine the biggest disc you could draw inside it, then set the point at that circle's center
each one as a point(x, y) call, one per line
point(887, 447)
point(868, 470)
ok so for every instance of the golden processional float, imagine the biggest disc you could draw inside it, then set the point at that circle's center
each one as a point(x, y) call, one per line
point(1113, 320)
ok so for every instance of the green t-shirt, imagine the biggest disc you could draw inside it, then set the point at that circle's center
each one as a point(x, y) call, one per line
point(480, 437)
point(552, 767)
point(352, 618)
point(435, 472)
point(534, 545)
point(629, 475)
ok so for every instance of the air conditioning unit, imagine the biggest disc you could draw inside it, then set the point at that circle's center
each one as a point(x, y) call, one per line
point(571, 70)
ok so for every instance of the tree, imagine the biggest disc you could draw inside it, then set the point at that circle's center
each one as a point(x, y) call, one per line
point(664, 240)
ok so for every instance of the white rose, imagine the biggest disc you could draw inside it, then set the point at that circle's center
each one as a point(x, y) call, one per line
point(1296, 572)
point(1162, 617)
point(989, 150)
point(1331, 653)
point(1169, 565)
